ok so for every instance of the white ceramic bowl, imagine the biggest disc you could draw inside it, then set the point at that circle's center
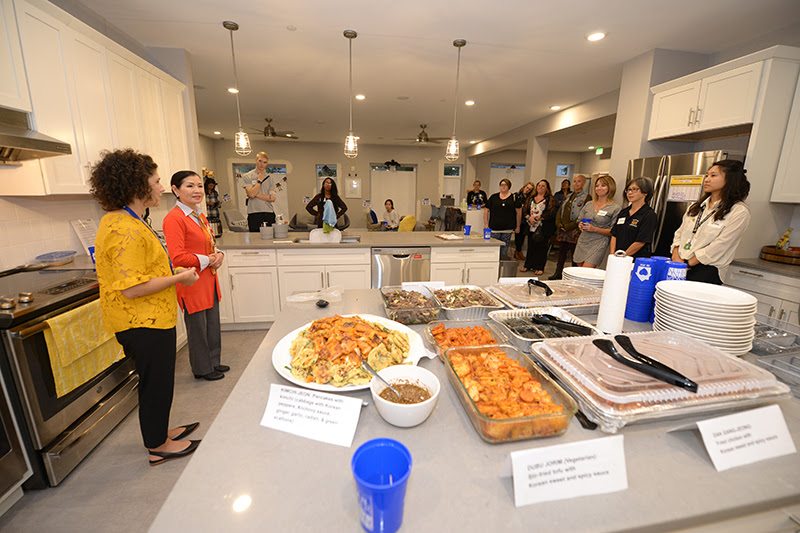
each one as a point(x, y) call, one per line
point(405, 415)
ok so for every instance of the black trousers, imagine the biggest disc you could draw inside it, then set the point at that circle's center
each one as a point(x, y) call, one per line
point(254, 221)
point(519, 238)
point(704, 273)
point(153, 351)
point(536, 258)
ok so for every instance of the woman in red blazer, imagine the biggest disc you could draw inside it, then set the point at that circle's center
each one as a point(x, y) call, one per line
point(190, 241)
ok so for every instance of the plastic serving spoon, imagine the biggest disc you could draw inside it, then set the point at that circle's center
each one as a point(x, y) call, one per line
point(647, 366)
point(535, 282)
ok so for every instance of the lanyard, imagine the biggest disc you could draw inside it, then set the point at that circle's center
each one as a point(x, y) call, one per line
point(698, 222)
point(134, 215)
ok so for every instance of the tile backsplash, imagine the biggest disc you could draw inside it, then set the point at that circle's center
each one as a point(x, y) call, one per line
point(31, 226)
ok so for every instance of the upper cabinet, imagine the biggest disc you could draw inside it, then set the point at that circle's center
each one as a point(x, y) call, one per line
point(717, 101)
point(787, 179)
point(13, 84)
point(91, 93)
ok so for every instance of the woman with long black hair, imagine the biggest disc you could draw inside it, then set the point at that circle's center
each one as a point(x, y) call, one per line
point(713, 226)
point(328, 191)
point(540, 212)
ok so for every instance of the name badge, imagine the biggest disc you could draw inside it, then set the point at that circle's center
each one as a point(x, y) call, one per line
point(620, 221)
point(715, 225)
point(601, 213)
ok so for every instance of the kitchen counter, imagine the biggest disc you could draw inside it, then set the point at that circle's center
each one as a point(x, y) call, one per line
point(782, 269)
point(456, 485)
point(369, 239)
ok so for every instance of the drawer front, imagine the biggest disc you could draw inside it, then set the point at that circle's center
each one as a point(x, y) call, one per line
point(242, 258)
point(321, 257)
point(465, 254)
point(762, 282)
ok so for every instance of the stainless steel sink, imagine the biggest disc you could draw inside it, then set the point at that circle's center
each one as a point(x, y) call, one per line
point(345, 239)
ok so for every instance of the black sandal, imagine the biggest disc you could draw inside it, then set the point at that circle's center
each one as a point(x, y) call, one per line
point(167, 456)
point(188, 429)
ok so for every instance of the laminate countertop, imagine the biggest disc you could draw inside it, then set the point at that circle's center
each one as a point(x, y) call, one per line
point(368, 239)
point(456, 483)
point(782, 269)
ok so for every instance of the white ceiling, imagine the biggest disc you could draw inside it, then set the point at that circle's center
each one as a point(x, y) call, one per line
point(522, 56)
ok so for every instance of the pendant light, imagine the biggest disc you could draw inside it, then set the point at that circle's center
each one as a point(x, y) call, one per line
point(451, 153)
point(351, 141)
point(241, 142)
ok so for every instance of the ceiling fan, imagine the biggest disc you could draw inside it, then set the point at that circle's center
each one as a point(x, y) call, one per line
point(271, 135)
point(423, 138)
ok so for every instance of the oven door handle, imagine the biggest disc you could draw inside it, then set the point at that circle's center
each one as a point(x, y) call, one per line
point(41, 324)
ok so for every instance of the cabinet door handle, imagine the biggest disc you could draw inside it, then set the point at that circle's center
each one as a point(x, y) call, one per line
point(697, 116)
point(322, 279)
point(691, 114)
point(783, 312)
point(248, 253)
point(466, 249)
point(328, 277)
point(771, 311)
point(754, 274)
point(467, 276)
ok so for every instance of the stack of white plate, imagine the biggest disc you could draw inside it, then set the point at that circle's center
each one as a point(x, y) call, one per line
point(720, 316)
point(591, 276)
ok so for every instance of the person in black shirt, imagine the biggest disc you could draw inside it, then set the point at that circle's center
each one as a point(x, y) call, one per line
point(502, 215)
point(476, 197)
point(561, 195)
point(635, 228)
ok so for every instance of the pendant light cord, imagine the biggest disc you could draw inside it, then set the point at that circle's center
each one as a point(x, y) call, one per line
point(236, 82)
point(455, 105)
point(350, 41)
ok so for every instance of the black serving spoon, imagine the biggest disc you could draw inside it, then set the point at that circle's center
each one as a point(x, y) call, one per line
point(647, 366)
point(535, 282)
point(550, 320)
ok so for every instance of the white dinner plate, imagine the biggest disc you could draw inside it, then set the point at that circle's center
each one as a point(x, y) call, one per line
point(706, 293)
point(716, 336)
point(737, 349)
point(703, 307)
point(585, 274)
point(714, 340)
point(706, 317)
point(281, 358)
point(721, 325)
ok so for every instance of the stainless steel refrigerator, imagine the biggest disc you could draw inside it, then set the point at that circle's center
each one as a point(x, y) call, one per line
point(678, 182)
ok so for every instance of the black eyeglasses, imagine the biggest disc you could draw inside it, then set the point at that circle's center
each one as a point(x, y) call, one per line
point(633, 189)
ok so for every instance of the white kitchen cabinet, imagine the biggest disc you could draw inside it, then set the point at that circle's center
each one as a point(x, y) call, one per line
point(174, 128)
point(778, 295)
point(717, 101)
point(465, 265)
point(154, 133)
point(47, 47)
point(253, 281)
point(122, 82)
point(13, 82)
point(254, 293)
point(786, 187)
point(225, 304)
point(304, 270)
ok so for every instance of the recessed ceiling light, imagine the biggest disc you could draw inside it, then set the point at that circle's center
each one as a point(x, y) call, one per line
point(360, 97)
point(320, 122)
point(473, 142)
point(469, 102)
point(591, 148)
point(402, 97)
point(217, 133)
point(291, 27)
point(555, 107)
point(595, 36)
point(233, 90)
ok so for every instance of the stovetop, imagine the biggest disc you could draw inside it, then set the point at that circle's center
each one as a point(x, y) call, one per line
point(49, 289)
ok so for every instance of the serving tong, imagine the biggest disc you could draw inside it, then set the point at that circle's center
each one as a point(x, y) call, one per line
point(550, 320)
point(535, 282)
point(644, 364)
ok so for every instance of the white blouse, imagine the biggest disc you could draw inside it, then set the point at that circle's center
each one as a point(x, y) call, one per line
point(392, 219)
point(715, 242)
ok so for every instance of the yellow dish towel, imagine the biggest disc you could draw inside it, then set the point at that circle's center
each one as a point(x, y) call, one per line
point(79, 347)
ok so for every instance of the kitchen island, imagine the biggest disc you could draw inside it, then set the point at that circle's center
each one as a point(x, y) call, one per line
point(296, 484)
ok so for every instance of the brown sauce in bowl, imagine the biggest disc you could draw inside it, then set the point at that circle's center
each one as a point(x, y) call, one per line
point(411, 393)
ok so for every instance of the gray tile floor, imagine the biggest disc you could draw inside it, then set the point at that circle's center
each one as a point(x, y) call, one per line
point(114, 488)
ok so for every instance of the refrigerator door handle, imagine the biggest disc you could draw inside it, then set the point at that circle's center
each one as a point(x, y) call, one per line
point(661, 197)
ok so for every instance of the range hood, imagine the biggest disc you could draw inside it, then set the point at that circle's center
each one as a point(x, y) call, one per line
point(19, 143)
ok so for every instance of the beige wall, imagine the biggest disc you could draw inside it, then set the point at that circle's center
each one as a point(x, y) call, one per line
point(301, 160)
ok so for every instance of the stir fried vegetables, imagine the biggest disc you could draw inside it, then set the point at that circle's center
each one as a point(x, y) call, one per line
point(330, 350)
point(463, 297)
point(500, 386)
point(466, 336)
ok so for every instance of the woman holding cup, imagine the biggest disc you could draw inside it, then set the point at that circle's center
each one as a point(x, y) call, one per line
point(597, 217)
point(713, 226)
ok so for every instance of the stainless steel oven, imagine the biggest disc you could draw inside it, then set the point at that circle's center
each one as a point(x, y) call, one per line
point(61, 431)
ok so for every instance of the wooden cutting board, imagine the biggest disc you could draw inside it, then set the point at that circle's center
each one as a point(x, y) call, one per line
point(789, 257)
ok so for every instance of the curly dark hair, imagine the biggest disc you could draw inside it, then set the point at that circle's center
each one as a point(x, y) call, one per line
point(736, 188)
point(120, 177)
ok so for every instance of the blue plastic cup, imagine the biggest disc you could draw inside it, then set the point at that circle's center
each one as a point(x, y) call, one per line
point(643, 273)
point(675, 270)
point(381, 468)
point(659, 266)
point(467, 229)
point(487, 233)
point(586, 220)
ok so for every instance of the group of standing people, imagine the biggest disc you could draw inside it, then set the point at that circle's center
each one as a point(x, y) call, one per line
point(143, 281)
point(591, 225)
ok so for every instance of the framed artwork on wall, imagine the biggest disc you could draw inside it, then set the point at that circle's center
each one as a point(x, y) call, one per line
point(352, 187)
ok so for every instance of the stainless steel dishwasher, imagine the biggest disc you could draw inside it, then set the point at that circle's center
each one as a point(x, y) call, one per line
point(393, 266)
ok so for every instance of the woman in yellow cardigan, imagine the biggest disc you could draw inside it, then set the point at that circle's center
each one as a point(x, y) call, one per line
point(137, 293)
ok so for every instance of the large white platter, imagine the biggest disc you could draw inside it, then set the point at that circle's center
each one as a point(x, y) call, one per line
point(713, 337)
point(706, 317)
point(707, 293)
point(281, 358)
